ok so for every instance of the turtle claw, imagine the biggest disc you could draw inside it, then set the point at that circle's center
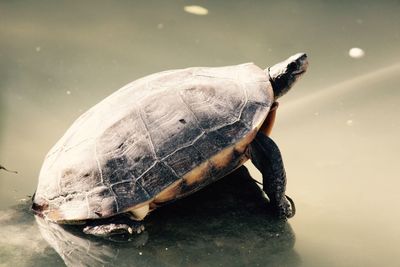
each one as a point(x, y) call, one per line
point(286, 209)
point(107, 230)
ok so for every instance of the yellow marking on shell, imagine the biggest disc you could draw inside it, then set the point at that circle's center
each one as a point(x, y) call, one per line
point(54, 216)
point(197, 174)
point(169, 193)
point(260, 124)
point(242, 145)
point(268, 124)
point(174, 190)
point(59, 217)
point(223, 158)
point(153, 206)
point(138, 213)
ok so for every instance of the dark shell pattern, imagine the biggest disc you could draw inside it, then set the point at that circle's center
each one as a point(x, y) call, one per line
point(148, 135)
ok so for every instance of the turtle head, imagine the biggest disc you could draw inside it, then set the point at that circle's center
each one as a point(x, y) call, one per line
point(284, 74)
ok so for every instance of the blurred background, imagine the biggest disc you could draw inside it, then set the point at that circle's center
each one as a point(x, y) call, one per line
point(338, 129)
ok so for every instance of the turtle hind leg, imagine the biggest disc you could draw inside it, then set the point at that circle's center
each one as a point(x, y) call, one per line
point(111, 227)
point(267, 158)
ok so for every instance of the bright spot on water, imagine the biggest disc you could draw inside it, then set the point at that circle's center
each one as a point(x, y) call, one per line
point(38, 48)
point(140, 253)
point(349, 122)
point(68, 92)
point(356, 52)
point(197, 10)
point(160, 26)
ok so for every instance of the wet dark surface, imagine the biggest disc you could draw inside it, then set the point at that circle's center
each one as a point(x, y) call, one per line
point(228, 223)
point(337, 129)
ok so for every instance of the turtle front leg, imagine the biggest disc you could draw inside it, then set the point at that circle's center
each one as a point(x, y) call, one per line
point(267, 158)
point(111, 228)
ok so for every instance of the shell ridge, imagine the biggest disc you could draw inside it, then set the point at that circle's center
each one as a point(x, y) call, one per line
point(191, 111)
point(65, 195)
point(215, 129)
point(214, 77)
point(153, 149)
point(232, 115)
point(144, 189)
point(139, 177)
point(246, 100)
point(77, 144)
point(96, 156)
point(197, 121)
point(169, 167)
point(185, 146)
point(101, 175)
point(87, 204)
point(162, 161)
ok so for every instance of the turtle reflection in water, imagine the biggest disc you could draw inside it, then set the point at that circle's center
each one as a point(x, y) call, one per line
point(239, 231)
point(164, 137)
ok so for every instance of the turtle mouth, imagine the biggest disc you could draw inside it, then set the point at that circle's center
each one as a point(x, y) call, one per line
point(299, 72)
point(302, 65)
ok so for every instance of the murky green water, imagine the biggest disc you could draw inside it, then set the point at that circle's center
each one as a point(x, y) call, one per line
point(338, 129)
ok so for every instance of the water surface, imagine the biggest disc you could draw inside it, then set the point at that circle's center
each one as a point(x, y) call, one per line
point(338, 128)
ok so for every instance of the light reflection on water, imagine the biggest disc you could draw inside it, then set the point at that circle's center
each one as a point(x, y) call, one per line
point(338, 129)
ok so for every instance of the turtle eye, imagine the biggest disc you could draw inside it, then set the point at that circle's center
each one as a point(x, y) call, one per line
point(292, 66)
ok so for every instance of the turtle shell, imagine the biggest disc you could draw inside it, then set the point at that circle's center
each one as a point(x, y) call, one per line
point(179, 129)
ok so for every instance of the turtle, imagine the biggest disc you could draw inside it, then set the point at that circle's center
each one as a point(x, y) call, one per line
point(164, 137)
